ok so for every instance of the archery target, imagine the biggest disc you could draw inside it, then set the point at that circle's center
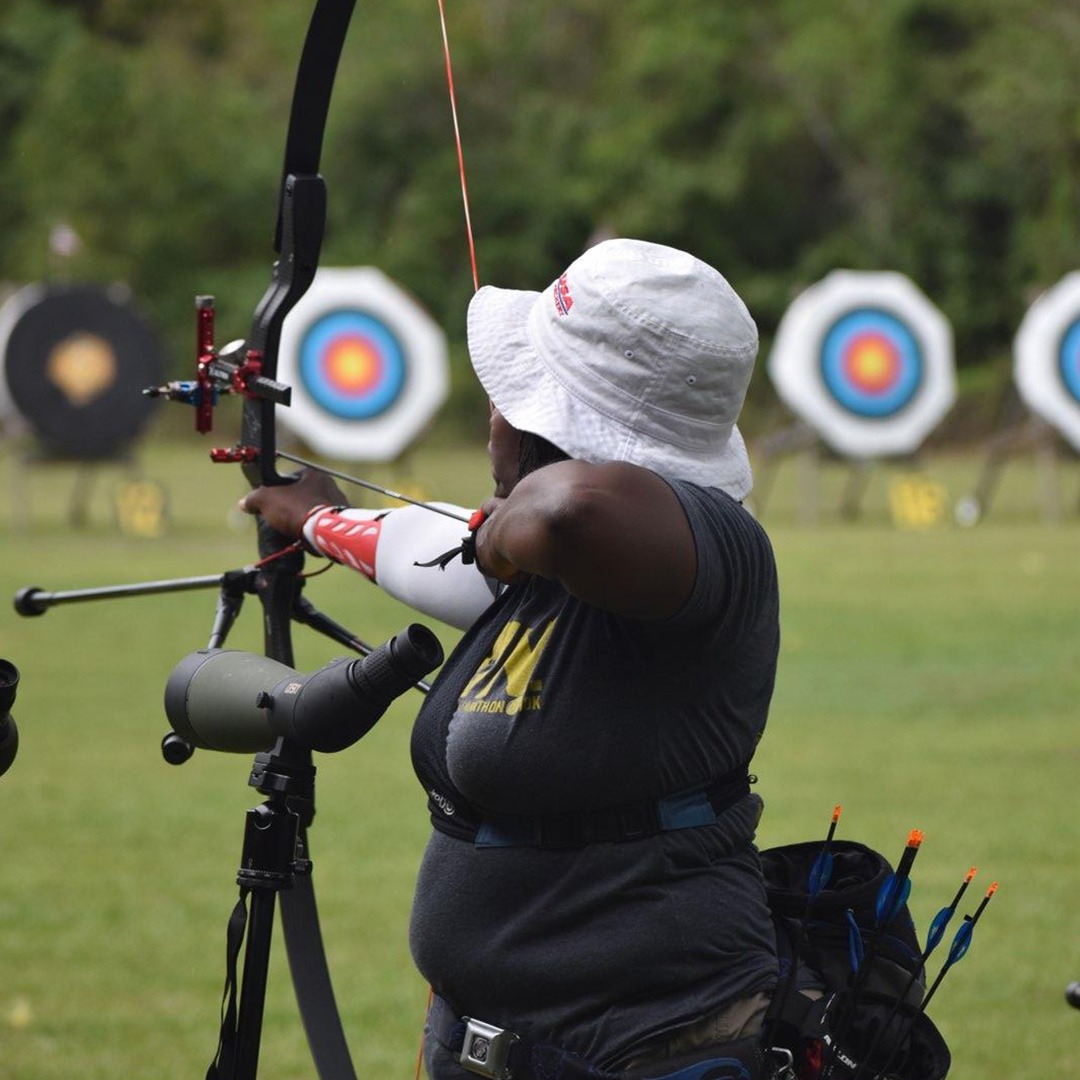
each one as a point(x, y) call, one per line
point(367, 366)
point(1046, 357)
point(867, 361)
point(75, 360)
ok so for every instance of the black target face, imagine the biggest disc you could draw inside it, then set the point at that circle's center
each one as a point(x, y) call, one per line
point(75, 363)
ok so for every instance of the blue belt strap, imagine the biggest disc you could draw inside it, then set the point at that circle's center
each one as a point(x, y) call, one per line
point(686, 811)
point(630, 821)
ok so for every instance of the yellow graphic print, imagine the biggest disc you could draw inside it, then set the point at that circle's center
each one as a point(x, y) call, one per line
point(514, 658)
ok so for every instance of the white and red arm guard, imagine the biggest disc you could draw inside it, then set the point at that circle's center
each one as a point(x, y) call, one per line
point(386, 545)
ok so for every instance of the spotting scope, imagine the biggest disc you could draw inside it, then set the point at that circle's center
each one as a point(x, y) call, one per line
point(241, 702)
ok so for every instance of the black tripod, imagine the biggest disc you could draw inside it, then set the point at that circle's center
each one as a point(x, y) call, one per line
point(274, 860)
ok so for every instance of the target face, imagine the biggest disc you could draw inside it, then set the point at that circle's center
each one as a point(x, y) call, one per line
point(871, 363)
point(366, 363)
point(75, 360)
point(867, 361)
point(352, 364)
point(1046, 357)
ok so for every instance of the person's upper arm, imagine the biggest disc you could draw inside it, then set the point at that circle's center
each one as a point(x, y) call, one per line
point(614, 535)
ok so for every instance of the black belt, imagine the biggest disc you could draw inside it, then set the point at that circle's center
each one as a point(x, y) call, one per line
point(627, 821)
point(500, 1054)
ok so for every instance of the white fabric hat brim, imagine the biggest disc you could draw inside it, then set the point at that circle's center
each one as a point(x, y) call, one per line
point(525, 390)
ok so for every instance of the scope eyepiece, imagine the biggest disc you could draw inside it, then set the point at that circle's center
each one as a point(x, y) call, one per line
point(240, 702)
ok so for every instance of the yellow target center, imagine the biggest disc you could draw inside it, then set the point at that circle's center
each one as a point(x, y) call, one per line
point(82, 366)
point(872, 364)
point(352, 366)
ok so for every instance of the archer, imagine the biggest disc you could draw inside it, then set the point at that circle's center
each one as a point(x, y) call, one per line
point(590, 894)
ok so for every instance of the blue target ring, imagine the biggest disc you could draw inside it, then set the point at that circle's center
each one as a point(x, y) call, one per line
point(352, 365)
point(871, 363)
point(1069, 360)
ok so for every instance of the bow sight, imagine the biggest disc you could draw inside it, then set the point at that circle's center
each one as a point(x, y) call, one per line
point(234, 369)
point(249, 368)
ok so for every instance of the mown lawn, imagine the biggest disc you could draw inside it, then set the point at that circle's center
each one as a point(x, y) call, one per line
point(928, 678)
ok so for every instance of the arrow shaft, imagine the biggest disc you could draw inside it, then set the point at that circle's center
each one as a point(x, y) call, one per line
point(370, 486)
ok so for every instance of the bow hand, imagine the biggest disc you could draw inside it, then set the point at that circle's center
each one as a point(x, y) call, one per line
point(285, 507)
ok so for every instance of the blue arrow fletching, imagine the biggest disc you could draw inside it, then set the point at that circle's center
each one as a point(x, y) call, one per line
point(855, 941)
point(937, 928)
point(820, 873)
point(890, 899)
point(962, 941)
point(884, 898)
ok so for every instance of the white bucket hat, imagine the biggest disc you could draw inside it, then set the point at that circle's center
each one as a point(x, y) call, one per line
point(638, 353)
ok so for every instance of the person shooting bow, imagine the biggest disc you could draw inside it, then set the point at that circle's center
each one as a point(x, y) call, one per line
point(591, 894)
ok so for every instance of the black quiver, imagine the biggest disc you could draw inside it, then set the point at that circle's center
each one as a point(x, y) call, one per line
point(835, 1024)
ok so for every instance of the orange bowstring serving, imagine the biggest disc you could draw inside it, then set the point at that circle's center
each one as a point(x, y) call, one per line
point(457, 142)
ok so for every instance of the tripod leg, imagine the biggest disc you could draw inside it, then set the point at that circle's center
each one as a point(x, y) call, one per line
point(266, 867)
point(253, 987)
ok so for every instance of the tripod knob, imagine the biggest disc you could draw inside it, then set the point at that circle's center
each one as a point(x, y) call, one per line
point(176, 750)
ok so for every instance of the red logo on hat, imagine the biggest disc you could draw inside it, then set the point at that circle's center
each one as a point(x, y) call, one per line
point(563, 300)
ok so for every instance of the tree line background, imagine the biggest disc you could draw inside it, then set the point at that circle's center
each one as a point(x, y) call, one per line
point(777, 140)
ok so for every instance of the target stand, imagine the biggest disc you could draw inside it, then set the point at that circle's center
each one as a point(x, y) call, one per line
point(799, 442)
point(1021, 433)
point(1041, 407)
point(74, 360)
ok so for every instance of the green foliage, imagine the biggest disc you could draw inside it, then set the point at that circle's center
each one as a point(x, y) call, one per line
point(777, 140)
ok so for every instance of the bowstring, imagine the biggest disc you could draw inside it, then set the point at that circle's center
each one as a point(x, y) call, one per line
point(475, 279)
point(457, 143)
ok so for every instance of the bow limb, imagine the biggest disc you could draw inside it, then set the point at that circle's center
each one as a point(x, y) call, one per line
point(298, 240)
point(301, 219)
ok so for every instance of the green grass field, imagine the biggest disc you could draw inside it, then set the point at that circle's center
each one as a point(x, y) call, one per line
point(928, 678)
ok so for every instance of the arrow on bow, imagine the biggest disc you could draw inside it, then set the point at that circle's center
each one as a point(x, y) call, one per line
point(297, 239)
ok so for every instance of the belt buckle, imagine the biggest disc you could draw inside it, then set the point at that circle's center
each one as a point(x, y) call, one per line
point(486, 1049)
